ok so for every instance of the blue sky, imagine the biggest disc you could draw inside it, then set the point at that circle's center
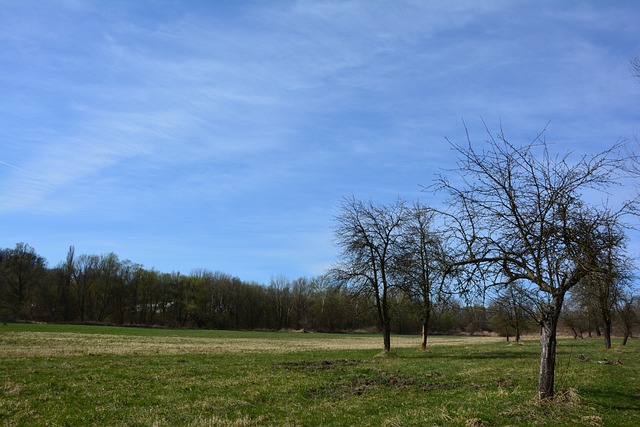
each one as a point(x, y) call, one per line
point(224, 134)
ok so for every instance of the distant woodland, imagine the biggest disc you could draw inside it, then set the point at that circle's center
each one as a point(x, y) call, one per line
point(103, 289)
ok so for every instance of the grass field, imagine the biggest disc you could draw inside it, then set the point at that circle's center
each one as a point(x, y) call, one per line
point(58, 375)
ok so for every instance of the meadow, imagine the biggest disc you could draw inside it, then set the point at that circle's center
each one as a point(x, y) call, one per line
point(70, 375)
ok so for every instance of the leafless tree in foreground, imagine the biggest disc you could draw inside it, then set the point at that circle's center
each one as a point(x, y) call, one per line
point(521, 214)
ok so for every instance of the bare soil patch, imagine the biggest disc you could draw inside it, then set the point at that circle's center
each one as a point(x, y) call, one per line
point(359, 383)
point(321, 365)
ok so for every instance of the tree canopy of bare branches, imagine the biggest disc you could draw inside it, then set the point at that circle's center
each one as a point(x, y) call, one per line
point(520, 212)
point(422, 261)
point(369, 235)
point(635, 66)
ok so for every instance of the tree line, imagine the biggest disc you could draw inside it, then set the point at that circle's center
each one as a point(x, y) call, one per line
point(104, 289)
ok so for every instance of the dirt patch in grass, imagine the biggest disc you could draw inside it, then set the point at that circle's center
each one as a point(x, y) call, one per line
point(364, 381)
point(321, 365)
point(11, 388)
point(354, 378)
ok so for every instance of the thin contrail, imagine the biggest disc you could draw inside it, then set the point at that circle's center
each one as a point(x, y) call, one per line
point(16, 167)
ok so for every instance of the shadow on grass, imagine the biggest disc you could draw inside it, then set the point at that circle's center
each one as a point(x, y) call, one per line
point(462, 354)
point(493, 356)
point(616, 400)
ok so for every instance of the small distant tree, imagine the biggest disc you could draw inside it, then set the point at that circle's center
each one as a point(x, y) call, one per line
point(602, 289)
point(369, 236)
point(512, 310)
point(628, 314)
point(575, 317)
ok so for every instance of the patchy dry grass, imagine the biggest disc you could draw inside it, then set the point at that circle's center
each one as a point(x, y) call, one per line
point(48, 344)
point(52, 375)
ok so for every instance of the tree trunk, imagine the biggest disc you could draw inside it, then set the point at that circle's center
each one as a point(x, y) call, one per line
point(549, 324)
point(624, 340)
point(547, 360)
point(607, 333)
point(386, 332)
point(425, 333)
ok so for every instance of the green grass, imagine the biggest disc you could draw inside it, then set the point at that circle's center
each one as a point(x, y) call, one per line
point(84, 375)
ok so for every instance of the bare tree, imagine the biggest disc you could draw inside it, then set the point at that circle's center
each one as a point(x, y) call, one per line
point(575, 317)
point(109, 272)
point(422, 262)
point(66, 273)
point(635, 66)
point(84, 279)
point(512, 310)
point(519, 212)
point(368, 235)
point(301, 295)
point(281, 301)
point(601, 291)
point(628, 314)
